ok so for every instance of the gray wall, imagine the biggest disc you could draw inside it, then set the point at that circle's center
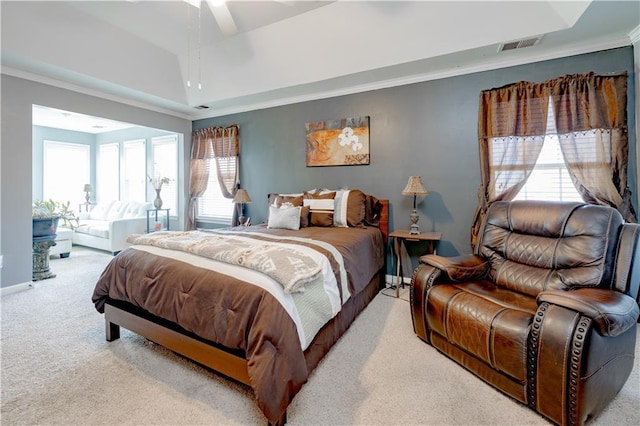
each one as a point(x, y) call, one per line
point(18, 96)
point(427, 129)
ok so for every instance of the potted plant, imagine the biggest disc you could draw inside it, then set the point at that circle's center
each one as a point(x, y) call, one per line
point(47, 214)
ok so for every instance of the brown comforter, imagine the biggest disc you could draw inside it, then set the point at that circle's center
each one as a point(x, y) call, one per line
point(233, 313)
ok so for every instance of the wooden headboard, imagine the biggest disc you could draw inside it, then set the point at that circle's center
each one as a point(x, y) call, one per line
point(384, 220)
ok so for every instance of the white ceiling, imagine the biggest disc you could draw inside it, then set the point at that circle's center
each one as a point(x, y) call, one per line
point(138, 52)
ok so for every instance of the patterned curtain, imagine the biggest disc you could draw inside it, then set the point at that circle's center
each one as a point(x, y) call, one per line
point(591, 118)
point(591, 121)
point(220, 145)
point(511, 128)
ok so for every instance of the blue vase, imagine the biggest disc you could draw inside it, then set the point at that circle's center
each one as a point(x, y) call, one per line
point(44, 227)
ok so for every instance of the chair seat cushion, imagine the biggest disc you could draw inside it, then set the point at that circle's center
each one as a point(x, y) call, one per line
point(484, 320)
point(97, 228)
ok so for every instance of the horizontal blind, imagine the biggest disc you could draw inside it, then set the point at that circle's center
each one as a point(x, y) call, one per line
point(212, 205)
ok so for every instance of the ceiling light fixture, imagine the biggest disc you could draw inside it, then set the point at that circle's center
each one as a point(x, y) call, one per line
point(195, 3)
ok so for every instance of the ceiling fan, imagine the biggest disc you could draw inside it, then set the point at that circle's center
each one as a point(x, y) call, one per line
point(220, 13)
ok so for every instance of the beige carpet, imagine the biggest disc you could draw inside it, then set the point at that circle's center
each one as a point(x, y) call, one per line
point(58, 369)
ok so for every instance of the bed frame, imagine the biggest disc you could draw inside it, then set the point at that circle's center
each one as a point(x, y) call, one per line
point(232, 364)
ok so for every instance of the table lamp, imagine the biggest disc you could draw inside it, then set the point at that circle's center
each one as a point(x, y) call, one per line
point(414, 187)
point(87, 190)
point(240, 199)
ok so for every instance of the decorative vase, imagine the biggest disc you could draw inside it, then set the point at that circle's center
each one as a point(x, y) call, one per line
point(157, 203)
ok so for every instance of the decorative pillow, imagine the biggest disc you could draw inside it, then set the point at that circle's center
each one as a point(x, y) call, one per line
point(295, 200)
point(286, 218)
point(349, 208)
point(321, 207)
point(373, 207)
point(279, 199)
point(304, 216)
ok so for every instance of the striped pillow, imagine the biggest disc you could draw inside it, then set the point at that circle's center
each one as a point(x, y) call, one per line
point(321, 207)
point(349, 208)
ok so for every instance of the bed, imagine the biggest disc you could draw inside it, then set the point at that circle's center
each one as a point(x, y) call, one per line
point(238, 310)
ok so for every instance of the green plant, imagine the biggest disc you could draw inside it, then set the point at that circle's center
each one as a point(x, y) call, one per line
point(50, 209)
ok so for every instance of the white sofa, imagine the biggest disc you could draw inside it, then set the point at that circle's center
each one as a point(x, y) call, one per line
point(108, 224)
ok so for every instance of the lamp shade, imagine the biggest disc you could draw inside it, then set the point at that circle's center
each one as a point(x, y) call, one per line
point(87, 187)
point(414, 187)
point(242, 196)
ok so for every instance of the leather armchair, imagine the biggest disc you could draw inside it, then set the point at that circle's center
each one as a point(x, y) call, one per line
point(545, 309)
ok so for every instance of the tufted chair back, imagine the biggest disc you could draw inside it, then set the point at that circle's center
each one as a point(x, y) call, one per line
point(549, 246)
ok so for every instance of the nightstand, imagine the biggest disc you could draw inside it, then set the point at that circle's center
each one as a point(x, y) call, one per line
point(401, 237)
point(157, 220)
point(87, 207)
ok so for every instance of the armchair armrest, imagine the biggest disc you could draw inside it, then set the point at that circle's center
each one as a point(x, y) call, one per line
point(433, 270)
point(458, 268)
point(612, 312)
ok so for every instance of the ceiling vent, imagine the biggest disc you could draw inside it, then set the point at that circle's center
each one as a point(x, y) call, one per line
point(201, 107)
point(519, 44)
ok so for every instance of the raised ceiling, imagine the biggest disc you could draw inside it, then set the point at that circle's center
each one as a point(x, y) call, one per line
point(144, 52)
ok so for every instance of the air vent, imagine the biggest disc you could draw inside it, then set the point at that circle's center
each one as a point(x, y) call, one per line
point(519, 44)
point(201, 107)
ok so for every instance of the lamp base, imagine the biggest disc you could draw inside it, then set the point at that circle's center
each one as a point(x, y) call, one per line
point(414, 229)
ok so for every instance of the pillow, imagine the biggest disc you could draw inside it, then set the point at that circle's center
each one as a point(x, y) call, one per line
point(373, 207)
point(321, 207)
point(286, 218)
point(279, 199)
point(304, 216)
point(349, 208)
point(295, 200)
point(320, 195)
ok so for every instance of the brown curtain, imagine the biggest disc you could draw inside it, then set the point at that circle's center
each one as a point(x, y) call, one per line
point(511, 128)
point(591, 120)
point(222, 146)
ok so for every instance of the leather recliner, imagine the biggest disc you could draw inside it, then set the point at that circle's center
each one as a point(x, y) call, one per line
point(546, 308)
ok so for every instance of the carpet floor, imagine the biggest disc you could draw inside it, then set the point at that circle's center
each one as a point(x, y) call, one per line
point(57, 368)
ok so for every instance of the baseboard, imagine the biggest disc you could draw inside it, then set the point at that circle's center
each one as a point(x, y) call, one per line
point(16, 288)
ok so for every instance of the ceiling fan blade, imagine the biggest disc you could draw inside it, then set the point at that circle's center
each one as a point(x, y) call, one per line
point(223, 18)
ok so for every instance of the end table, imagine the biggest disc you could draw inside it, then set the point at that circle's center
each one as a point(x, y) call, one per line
point(157, 220)
point(402, 236)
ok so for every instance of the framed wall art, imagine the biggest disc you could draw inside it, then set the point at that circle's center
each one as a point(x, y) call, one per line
point(342, 142)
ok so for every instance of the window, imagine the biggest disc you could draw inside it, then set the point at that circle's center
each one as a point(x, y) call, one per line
point(165, 164)
point(108, 173)
point(549, 179)
point(134, 171)
point(212, 206)
point(63, 183)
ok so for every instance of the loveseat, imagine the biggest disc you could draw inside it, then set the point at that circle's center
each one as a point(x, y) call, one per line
point(108, 224)
point(545, 309)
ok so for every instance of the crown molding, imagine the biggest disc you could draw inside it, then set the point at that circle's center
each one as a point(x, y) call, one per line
point(416, 78)
point(14, 72)
point(419, 78)
point(634, 35)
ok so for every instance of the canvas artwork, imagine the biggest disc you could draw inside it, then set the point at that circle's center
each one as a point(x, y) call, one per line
point(343, 142)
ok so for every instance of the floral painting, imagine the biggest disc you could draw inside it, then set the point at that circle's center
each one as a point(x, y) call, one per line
point(343, 142)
